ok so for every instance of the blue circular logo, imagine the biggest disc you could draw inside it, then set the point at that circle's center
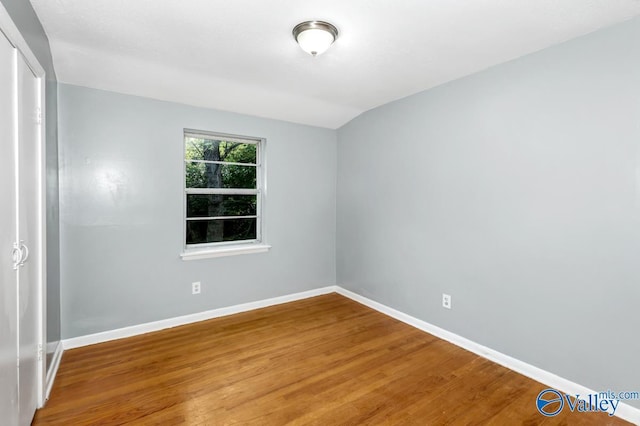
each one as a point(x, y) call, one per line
point(549, 402)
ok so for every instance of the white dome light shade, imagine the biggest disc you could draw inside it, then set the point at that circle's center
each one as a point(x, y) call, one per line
point(315, 42)
point(315, 37)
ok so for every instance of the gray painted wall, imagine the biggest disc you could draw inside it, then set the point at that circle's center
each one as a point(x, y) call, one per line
point(121, 181)
point(517, 191)
point(27, 22)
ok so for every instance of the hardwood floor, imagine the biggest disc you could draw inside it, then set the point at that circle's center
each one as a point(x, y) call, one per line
point(325, 361)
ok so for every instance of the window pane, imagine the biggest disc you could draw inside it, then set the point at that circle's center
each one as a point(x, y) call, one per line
point(220, 205)
point(219, 150)
point(215, 231)
point(207, 175)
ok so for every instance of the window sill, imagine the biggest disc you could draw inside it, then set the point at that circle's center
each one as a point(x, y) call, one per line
point(207, 253)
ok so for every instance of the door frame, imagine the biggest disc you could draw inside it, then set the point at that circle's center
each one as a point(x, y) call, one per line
point(8, 27)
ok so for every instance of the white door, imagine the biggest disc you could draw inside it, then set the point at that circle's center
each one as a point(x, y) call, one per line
point(29, 238)
point(8, 275)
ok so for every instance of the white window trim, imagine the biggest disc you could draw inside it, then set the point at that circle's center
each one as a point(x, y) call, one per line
point(206, 253)
point(231, 248)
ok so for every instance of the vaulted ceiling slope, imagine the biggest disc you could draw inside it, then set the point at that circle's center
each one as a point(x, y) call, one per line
point(240, 55)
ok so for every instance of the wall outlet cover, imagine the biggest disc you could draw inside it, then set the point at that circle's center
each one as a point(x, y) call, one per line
point(446, 301)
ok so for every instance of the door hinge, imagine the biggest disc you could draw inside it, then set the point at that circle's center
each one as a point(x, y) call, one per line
point(40, 352)
point(39, 115)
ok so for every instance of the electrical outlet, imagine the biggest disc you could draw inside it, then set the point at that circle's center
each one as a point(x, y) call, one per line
point(195, 288)
point(446, 301)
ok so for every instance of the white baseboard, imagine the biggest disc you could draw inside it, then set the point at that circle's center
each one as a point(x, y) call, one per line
point(53, 368)
point(624, 411)
point(134, 330)
point(52, 346)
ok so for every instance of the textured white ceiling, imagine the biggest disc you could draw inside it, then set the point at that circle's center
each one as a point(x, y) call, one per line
point(239, 55)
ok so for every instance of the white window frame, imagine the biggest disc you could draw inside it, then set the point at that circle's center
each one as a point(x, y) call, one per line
point(227, 248)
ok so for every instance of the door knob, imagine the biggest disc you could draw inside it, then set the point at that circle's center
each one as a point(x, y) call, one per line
point(16, 255)
point(25, 252)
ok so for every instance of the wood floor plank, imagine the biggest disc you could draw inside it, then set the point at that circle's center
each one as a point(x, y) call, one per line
point(321, 361)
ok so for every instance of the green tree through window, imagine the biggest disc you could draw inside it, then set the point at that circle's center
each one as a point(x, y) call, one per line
point(222, 189)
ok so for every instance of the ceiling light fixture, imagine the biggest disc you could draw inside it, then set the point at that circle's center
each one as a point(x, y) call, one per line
point(315, 37)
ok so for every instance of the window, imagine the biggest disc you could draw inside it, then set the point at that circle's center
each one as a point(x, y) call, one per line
point(224, 190)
